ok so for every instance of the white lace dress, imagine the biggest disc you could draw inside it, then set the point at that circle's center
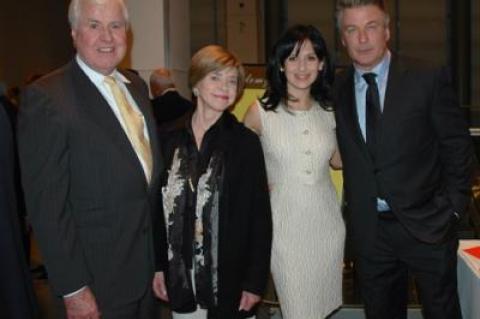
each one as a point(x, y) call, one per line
point(308, 229)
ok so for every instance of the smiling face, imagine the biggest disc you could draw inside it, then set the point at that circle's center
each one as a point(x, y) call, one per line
point(301, 68)
point(100, 35)
point(365, 35)
point(217, 91)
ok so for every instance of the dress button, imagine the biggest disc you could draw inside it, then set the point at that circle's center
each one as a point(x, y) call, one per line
point(308, 152)
point(308, 172)
point(306, 132)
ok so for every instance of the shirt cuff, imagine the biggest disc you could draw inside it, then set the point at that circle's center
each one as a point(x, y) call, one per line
point(75, 292)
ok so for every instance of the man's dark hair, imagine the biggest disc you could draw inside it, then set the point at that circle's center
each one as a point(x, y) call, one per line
point(347, 4)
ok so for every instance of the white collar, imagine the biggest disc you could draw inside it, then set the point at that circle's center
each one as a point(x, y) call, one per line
point(95, 76)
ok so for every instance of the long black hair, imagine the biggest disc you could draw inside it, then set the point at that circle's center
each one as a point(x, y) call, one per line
point(293, 39)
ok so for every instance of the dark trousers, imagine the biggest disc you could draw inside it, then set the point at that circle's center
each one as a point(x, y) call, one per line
point(383, 274)
point(143, 308)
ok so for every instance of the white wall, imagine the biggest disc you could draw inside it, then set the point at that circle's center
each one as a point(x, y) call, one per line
point(147, 35)
point(160, 35)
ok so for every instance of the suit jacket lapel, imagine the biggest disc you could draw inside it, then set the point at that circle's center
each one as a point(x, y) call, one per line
point(393, 94)
point(348, 104)
point(96, 107)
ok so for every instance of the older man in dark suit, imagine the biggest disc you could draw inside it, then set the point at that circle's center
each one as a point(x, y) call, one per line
point(407, 159)
point(16, 292)
point(90, 168)
point(168, 104)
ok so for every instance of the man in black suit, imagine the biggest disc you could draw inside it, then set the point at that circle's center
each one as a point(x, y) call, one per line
point(90, 169)
point(407, 160)
point(17, 300)
point(168, 104)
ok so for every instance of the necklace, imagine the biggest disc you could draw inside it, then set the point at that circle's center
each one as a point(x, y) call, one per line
point(190, 184)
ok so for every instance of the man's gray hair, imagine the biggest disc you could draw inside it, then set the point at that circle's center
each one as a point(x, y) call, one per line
point(347, 4)
point(75, 8)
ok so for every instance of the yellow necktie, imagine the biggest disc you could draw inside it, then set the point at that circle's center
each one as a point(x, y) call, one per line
point(134, 125)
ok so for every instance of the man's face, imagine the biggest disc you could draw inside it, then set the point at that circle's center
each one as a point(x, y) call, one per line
point(100, 35)
point(365, 35)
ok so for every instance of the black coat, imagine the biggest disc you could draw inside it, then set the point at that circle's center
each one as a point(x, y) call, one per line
point(16, 292)
point(245, 230)
point(170, 106)
point(424, 155)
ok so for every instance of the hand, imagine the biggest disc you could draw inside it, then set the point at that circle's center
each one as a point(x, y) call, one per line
point(248, 301)
point(82, 305)
point(159, 287)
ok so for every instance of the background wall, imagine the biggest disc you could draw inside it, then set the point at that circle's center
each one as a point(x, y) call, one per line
point(317, 13)
point(476, 54)
point(160, 37)
point(147, 36)
point(423, 32)
point(35, 38)
point(207, 23)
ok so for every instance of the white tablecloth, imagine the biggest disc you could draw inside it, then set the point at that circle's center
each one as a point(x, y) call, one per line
point(468, 271)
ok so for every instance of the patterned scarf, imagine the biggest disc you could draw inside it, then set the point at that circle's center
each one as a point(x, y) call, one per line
point(205, 253)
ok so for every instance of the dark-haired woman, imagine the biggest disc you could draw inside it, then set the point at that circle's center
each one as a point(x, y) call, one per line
point(296, 126)
point(215, 202)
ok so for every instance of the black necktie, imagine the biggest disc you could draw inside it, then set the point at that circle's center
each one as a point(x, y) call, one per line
point(373, 112)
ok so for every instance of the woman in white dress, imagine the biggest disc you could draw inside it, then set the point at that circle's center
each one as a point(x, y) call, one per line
point(296, 125)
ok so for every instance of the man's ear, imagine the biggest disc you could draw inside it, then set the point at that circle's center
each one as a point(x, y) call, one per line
point(387, 34)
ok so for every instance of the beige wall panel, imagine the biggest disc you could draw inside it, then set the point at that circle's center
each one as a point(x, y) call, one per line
point(148, 36)
point(242, 37)
point(159, 38)
point(243, 30)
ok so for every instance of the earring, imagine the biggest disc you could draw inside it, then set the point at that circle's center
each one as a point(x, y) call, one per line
point(281, 69)
point(195, 91)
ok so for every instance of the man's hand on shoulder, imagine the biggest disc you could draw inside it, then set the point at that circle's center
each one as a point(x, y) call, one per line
point(82, 305)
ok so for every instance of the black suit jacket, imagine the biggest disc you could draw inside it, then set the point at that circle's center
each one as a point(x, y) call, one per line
point(86, 193)
point(424, 160)
point(170, 106)
point(16, 292)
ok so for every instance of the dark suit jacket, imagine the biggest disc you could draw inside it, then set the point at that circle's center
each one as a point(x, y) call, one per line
point(170, 106)
point(16, 292)
point(85, 189)
point(424, 159)
point(245, 225)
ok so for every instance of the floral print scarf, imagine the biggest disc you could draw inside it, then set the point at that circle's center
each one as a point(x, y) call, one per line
point(182, 295)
